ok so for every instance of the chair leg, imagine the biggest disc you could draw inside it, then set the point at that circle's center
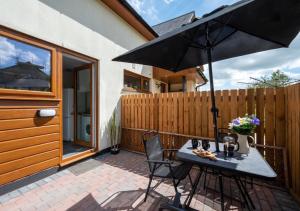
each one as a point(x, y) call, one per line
point(174, 184)
point(190, 178)
point(205, 174)
point(177, 183)
point(221, 192)
point(148, 188)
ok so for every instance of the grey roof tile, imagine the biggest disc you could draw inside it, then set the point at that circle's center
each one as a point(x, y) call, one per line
point(174, 23)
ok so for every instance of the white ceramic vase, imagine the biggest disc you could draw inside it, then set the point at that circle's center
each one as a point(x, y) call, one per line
point(244, 147)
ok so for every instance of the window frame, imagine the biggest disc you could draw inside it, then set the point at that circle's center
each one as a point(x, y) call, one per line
point(40, 44)
point(140, 77)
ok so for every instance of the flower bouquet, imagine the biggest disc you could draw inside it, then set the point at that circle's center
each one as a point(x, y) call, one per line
point(244, 127)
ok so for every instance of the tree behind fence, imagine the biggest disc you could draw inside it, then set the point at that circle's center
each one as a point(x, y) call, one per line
point(189, 114)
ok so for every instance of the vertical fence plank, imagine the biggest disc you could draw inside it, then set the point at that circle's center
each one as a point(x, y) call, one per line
point(192, 113)
point(226, 109)
point(186, 113)
point(250, 101)
point(242, 102)
point(198, 114)
point(260, 109)
point(204, 117)
point(233, 104)
point(269, 123)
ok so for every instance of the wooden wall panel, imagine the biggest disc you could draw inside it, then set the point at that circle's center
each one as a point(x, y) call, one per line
point(28, 143)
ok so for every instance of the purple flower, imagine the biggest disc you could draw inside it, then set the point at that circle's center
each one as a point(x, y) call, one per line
point(236, 122)
point(255, 121)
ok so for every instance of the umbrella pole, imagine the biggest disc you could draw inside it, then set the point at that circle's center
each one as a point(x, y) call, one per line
point(214, 110)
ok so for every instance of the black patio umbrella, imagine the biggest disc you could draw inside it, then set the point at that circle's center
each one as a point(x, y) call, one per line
point(246, 27)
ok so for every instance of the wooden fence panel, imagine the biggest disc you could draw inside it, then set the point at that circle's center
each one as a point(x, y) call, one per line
point(292, 99)
point(189, 114)
point(260, 112)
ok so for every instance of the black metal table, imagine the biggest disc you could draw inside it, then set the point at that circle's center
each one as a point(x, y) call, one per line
point(252, 165)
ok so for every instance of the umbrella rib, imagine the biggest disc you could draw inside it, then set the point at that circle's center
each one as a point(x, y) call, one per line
point(187, 48)
point(224, 24)
point(232, 33)
point(182, 57)
point(252, 34)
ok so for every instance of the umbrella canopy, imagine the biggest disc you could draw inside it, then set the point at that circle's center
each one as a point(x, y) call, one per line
point(246, 27)
point(243, 28)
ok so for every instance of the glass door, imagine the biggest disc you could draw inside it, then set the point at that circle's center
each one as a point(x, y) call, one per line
point(83, 105)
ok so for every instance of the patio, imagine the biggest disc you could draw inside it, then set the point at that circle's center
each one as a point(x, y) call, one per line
point(109, 182)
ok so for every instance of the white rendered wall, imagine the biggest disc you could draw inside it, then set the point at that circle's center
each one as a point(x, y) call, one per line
point(85, 26)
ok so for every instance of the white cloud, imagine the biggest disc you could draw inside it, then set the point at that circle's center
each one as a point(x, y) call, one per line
point(168, 1)
point(146, 8)
point(229, 72)
point(7, 50)
point(10, 53)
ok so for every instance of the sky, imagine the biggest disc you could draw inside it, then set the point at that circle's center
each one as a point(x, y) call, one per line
point(229, 72)
point(12, 50)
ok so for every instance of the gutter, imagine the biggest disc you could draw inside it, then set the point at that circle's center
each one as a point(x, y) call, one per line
point(203, 76)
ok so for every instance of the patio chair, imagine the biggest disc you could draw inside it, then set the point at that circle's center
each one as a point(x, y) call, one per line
point(161, 167)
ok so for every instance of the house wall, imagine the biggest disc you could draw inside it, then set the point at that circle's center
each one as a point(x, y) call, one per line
point(177, 87)
point(88, 27)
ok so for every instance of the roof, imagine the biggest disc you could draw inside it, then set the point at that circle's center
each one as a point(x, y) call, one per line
point(16, 71)
point(174, 23)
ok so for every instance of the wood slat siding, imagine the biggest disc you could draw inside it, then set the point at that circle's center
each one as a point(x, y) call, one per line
point(28, 143)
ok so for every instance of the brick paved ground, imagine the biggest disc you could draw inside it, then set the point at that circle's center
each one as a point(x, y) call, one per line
point(118, 182)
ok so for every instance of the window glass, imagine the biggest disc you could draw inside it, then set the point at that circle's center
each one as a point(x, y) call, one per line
point(146, 84)
point(24, 66)
point(132, 82)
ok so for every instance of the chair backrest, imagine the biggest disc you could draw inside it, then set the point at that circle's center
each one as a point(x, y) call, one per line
point(153, 147)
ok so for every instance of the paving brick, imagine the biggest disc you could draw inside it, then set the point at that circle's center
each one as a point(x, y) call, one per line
point(119, 183)
point(32, 186)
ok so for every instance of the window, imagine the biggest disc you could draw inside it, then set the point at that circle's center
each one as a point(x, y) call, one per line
point(135, 82)
point(24, 66)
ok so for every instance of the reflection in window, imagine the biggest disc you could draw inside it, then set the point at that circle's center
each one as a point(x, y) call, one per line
point(24, 66)
point(135, 82)
point(132, 82)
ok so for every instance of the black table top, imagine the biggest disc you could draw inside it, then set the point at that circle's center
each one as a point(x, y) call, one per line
point(252, 164)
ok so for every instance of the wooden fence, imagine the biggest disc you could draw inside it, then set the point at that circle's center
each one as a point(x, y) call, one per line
point(181, 115)
point(293, 137)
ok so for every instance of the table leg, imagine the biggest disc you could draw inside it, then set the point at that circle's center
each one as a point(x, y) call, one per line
point(247, 195)
point(194, 188)
point(238, 182)
point(221, 190)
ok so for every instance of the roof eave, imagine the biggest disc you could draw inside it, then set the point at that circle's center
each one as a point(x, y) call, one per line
point(127, 13)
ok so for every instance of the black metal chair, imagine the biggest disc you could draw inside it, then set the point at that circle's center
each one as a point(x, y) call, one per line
point(161, 167)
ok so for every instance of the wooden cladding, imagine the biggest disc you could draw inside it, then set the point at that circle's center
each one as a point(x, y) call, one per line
point(179, 115)
point(293, 136)
point(28, 143)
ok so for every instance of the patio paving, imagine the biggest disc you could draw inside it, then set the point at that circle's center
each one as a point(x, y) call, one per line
point(118, 182)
